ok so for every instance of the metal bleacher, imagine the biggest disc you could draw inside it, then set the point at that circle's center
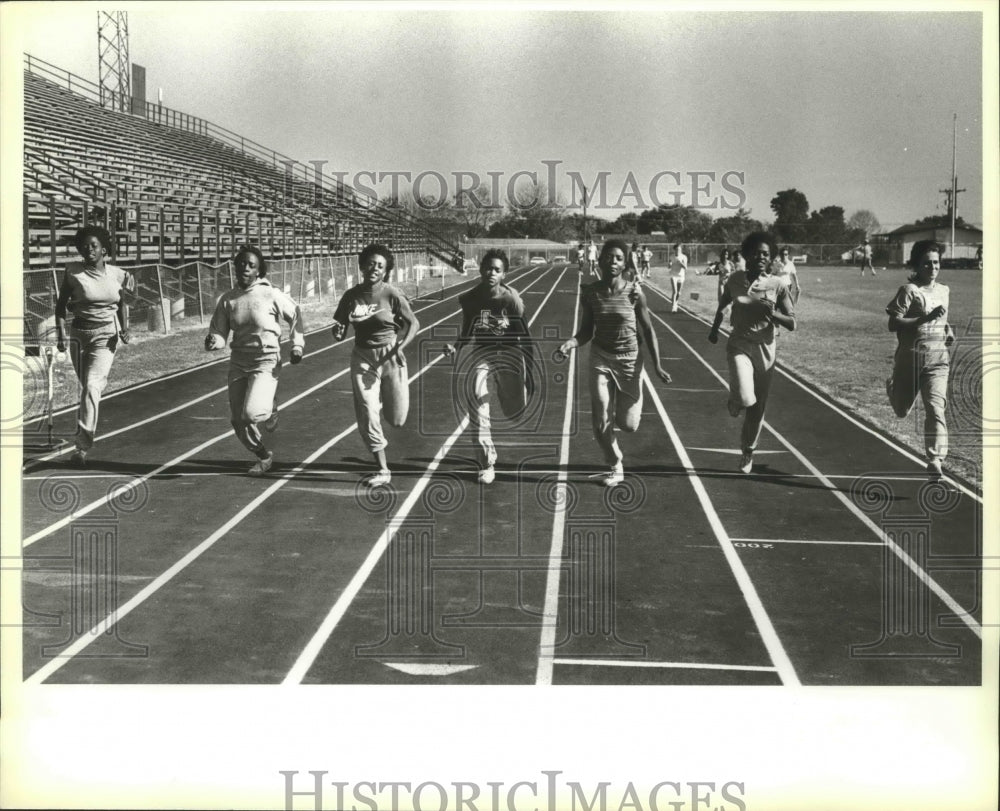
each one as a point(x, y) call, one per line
point(172, 188)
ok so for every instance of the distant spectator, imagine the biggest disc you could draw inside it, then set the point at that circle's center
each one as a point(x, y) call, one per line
point(865, 248)
point(979, 256)
point(724, 267)
point(784, 267)
point(647, 257)
point(634, 262)
point(592, 258)
point(678, 267)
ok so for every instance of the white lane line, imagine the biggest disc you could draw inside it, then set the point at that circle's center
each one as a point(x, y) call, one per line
point(795, 540)
point(765, 628)
point(129, 389)
point(550, 611)
point(132, 483)
point(319, 639)
point(315, 645)
point(925, 578)
point(117, 614)
point(827, 401)
point(678, 665)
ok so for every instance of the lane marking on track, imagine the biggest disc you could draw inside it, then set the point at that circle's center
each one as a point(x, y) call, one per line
point(105, 625)
point(925, 578)
point(550, 610)
point(134, 482)
point(679, 665)
point(129, 389)
point(765, 628)
point(117, 614)
point(319, 639)
point(829, 403)
point(791, 540)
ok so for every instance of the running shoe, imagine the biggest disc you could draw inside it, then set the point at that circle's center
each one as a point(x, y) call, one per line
point(272, 421)
point(746, 462)
point(615, 477)
point(934, 472)
point(78, 458)
point(487, 475)
point(261, 466)
point(380, 479)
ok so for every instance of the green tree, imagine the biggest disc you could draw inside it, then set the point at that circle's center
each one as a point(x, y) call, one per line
point(679, 223)
point(862, 223)
point(732, 230)
point(791, 215)
point(827, 225)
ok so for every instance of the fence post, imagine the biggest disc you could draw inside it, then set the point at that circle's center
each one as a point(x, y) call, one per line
point(180, 244)
point(163, 238)
point(138, 233)
point(164, 310)
point(201, 239)
point(201, 306)
point(52, 229)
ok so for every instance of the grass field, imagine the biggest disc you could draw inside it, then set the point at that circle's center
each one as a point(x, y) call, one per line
point(843, 345)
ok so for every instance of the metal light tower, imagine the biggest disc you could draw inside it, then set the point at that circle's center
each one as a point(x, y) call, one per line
point(113, 66)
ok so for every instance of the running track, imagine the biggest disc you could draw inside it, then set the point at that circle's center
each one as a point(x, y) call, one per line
point(833, 563)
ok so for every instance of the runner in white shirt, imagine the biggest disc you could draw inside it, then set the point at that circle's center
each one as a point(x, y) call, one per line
point(784, 268)
point(678, 267)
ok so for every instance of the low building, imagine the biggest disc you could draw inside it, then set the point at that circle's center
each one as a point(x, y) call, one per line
point(968, 238)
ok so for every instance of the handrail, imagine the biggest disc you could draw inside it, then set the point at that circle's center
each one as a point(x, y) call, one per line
point(189, 123)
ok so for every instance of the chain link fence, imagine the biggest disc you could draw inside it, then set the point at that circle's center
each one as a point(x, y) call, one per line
point(168, 299)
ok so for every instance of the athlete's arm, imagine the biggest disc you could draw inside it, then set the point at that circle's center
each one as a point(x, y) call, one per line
point(61, 302)
point(646, 325)
point(586, 331)
point(409, 330)
point(725, 301)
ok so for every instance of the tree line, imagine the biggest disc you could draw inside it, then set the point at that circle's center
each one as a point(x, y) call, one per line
point(534, 215)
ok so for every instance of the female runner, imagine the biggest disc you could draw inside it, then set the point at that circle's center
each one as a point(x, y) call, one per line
point(253, 312)
point(97, 291)
point(613, 312)
point(384, 324)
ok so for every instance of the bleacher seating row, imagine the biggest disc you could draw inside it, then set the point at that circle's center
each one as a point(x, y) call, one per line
point(171, 195)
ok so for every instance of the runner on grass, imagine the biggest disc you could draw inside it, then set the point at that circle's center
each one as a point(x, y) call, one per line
point(253, 312)
point(501, 355)
point(384, 324)
point(760, 300)
point(613, 311)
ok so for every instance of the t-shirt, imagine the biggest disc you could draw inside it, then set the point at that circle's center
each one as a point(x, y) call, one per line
point(94, 294)
point(615, 327)
point(912, 301)
point(678, 264)
point(647, 255)
point(493, 321)
point(254, 315)
point(373, 312)
point(592, 253)
point(748, 323)
point(866, 251)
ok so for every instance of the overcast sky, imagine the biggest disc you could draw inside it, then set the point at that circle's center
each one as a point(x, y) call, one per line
point(853, 109)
